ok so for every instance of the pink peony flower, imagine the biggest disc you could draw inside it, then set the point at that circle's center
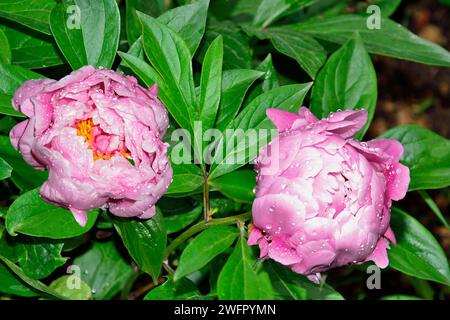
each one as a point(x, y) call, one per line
point(328, 202)
point(99, 135)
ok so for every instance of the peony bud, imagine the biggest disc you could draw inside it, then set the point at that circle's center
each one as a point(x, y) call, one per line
point(328, 202)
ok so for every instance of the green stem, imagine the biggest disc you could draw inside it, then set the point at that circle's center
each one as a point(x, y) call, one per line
point(206, 198)
point(196, 228)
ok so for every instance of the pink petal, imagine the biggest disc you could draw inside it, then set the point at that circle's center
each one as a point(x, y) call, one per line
point(379, 254)
point(80, 216)
point(391, 147)
point(346, 123)
point(398, 184)
point(279, 251)
point(150, 212)
point(76, 77)
point(26, 91)
point(307, 115)
point(283, 120)
point(390, 235)
point(153, 90)
point(314, 278)
point(254, 236)
point(17, 132)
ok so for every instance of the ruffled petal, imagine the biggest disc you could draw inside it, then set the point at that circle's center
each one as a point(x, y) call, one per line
point(345, 123)
point(398, 181)
point(379, 254)
point(283, 120)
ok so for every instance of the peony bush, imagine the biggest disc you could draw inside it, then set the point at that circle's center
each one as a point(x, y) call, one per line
point(212, 150)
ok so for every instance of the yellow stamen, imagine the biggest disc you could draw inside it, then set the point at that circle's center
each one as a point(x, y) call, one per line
point(84, 128)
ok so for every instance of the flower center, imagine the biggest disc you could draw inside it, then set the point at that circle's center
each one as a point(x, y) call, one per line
point(102, 144)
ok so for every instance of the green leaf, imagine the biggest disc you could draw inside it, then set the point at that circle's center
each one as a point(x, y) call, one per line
point(104, 270)
point(186, 178)
point(269, 81)
point(289, 98)
point(237, 53)
point(238, 10)
point(31, 13)
point(31, 49)
point(149, 76)
point(237, 185)
point(6, 124)
point(400, 297)
point(211, 83)
point(387, 7)
point(309, 54)
point(391, 39)
point(271, 10)
point(239, 281)
point(184, 289)
point(422, 288)
point(35, 284)
point(136, 50)
point(285, 284)
point(235, 84)
point(171, 58)
point(347, 81)
point(153, 8)
point(38, 258)
point(5, 169)
point(270, 77)
point(24, 176)
point(427, 155)
point(292, 286)
point(146, 73)
point(205, 247)
point(8, 247)
point(434, 207)
point(223, 207)
point(145, 241)
point(64, 287)
point(12, 77)
point(74, 243)
point(70, 41)
point(188, 21)
point(6, 106)
point(215, 267)
point(178, 222)
point(10, 284)
point(417, 252)
point(5, 50)
point(30, 215)
point(90, 36)
point(3, 211)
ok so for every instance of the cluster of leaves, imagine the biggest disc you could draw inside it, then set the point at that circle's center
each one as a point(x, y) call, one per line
point(213, 63)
